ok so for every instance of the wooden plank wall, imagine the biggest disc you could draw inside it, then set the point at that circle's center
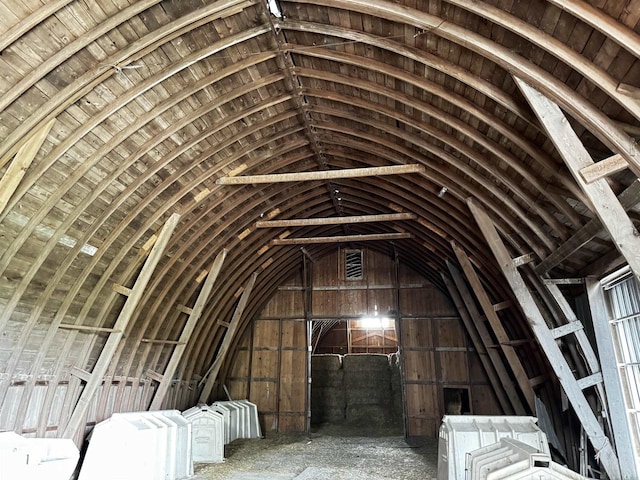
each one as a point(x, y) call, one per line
point(436, 354)
point(269, 366)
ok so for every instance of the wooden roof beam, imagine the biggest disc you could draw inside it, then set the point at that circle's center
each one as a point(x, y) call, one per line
point(305, 222)
point(322, 175)
point(340, 238)
point(603, 201)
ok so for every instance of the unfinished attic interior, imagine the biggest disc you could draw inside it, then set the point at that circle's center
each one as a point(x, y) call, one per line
point(211, 199)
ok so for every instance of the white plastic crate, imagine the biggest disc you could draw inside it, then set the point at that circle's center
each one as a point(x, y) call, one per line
point(511, 459)
point(207, 433)
point(241, 419)
point(461, 434)
point(36, 458)
point(140, 445)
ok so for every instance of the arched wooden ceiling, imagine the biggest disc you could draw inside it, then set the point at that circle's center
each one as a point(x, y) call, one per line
point(150, 102)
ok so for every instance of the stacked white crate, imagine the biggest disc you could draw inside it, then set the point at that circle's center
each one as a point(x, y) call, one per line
point(461, 434)
point(140, 445)
point(511, 459)
point(240, 419)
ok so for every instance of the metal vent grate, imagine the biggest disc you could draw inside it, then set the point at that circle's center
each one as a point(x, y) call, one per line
point(353, 265)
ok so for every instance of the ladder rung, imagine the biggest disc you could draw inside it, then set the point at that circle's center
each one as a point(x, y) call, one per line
point(566, 329)
point(590, 381)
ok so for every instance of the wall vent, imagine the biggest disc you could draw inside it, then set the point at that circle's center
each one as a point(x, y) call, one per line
point(353, 265)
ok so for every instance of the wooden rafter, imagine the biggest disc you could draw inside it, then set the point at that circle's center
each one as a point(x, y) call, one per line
point(187, 331)
point(499, 331)
point(606, 206)
point(340, 239)
point(322, 175)
point(21, 162)
point(493, 366)
point(104, 360)
point(305, 222)
point(211, 376)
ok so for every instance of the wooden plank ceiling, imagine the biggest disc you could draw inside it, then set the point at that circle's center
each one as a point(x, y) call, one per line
point(151, 102)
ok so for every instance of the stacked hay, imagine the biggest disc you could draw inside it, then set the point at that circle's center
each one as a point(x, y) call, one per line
point(328, 400)
point(367, 380)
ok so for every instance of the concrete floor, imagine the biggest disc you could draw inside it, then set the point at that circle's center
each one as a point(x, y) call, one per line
point(330, 453)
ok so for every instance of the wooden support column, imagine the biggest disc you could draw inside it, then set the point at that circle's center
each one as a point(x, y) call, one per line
point(496, 324)
point(498, 386)
point(111, 345)
point(194, 315)
point(603, 201)
point(212, 374)
point(618, 417)
point(548, 344)
point(21, 163)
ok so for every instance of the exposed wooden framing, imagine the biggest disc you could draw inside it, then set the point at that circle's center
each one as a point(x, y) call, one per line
point(611, 374)
point(21, 162)
point(187, 331)
point(340, 239)
point(547, 342)
point(161, 342)
point(496, 324)
point(487, 362)
point(81, 374)
point(212, 374)
point(102, 364)
point(121, 289)
point(322, 175)
point(604, 202)
point(603, 168)
point(88, 328)
point(628, 198)
point(305, 222)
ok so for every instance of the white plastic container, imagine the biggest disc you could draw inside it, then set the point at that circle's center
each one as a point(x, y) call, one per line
point(511, 459)
point(207, 434)
point(140, 445)
point(241, 419)
point(36, 458)
point(461, 434)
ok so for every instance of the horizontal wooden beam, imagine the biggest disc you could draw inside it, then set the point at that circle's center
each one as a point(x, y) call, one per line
point(603, 168)
point(305, 222)
point(340, 238)
point(85, 328)
point(321, 175)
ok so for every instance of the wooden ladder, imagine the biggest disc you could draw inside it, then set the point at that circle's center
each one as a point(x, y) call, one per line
point(546, 337)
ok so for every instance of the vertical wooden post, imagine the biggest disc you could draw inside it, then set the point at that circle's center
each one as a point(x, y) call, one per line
point(201, 301)
point(604, 202)
point(111, 345)
point(611, 375)
point(212, 373)
point(548, 343)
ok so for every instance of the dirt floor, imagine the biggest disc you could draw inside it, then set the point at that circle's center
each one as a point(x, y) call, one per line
point(328, 453)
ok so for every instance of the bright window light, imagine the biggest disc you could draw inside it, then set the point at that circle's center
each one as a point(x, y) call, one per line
point(372, 323)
